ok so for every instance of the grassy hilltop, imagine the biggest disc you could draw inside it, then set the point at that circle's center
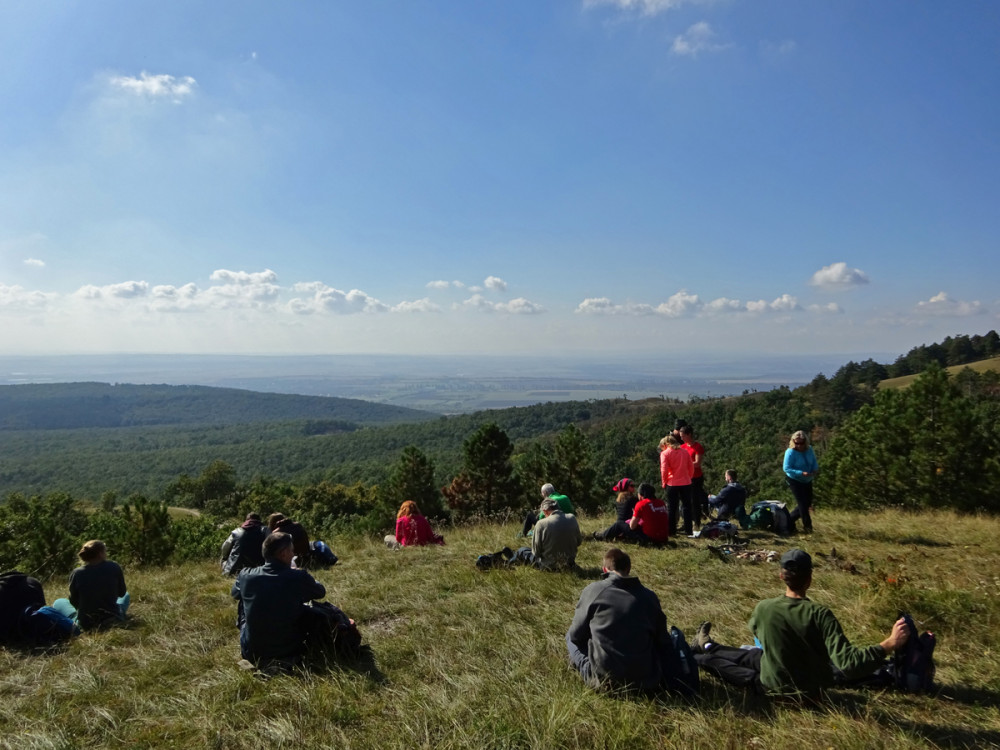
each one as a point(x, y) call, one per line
point(465, 659)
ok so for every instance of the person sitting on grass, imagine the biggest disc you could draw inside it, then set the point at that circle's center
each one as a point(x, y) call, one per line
point(273, 595)
point(650, 522)
point(98, 597)
point(619, 631)
point(412, 528)
point(731, 499)
point(242, 547)
point(556, 540)
point(624, 507)
point(300, 538)
point(799, 641)
point(534, 516)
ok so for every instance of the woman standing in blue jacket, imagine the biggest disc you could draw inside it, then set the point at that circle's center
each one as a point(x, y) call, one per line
point(800, 469)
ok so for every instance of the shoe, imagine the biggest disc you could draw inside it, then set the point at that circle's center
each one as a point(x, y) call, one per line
point(598, 536)
point(701, 637)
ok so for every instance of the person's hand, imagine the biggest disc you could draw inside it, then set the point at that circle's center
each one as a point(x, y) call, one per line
point(897, 637)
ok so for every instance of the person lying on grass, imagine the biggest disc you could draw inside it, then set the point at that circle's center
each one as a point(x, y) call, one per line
point(800, 642)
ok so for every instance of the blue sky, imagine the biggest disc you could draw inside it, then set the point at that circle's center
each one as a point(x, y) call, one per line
point(516, 177)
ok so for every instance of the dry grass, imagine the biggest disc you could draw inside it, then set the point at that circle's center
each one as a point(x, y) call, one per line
point(465, 659)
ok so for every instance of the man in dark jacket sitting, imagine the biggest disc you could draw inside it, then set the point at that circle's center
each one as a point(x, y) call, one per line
point(619, 632)
point(730, 497)
point(273, 596)
point(242, 548)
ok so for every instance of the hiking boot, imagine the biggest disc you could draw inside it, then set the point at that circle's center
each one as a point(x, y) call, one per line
point(701, 637)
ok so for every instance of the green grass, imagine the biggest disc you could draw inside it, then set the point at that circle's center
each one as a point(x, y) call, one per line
point(465, 659)
point(983, 365)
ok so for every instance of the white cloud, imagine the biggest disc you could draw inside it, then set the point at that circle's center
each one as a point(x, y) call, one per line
point(495, 283)
point(267, 276)
point(942, 304)
point(476, 289)
point(685, 304)
point(838, 276)
point(155, 86)
point(34, 262)
point(724, 305)
point(416, 306)
point(458, 284)
point(13, 297)
point(438, 284)
point(327, 299)
point(697, 39)
point(832, 307)
point(644, 7)
point(679, 304)
point(519, 306)
point(124, 290)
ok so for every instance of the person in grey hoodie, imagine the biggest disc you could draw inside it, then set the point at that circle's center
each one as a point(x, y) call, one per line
point(619, 631)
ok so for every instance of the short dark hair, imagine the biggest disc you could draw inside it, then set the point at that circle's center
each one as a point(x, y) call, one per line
point(731, 473)
point(646, 490)
point(274, 519)
point(275, 542)
point(618, 561)
point(252, 517)
point(686, 430)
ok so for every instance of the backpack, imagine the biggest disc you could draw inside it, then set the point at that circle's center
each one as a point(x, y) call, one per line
point(322, 556)
point(18, 592)
point(912, 666)
point(760, 516)
point(716, 529)
point(327, 629)
point(494, 560)
point(680, 670)
point(44, 626)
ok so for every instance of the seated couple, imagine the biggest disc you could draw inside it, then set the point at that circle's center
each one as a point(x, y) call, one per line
point(642, 520)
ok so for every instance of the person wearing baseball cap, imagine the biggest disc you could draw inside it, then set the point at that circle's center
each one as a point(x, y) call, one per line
point(800, 641)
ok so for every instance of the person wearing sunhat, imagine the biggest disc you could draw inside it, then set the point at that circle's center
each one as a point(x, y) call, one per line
point(799, 642)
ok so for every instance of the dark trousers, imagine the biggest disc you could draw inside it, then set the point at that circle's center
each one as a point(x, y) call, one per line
point(529, 522)
point(700, 499)
point(617, 530)
point(803, 492)
point(737, 666)
point(681, 496)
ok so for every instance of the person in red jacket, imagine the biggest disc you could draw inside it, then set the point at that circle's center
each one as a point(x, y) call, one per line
point(697, 452)
point(676, 471)
point(412, 528)
point(650, 519)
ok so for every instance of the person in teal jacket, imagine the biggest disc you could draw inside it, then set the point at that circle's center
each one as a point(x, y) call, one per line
point(800, 469)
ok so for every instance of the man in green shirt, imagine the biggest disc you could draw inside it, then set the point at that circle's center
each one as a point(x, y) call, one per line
point(800, 642)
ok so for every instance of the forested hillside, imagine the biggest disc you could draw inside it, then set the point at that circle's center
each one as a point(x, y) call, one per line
point(55, 406)
point(934, 444)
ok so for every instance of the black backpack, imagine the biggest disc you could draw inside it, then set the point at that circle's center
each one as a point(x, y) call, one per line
point(680, 670)
point(912, 666)
point(18, 592)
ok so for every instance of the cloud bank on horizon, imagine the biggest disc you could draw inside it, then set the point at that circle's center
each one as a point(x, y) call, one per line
point(654, 175)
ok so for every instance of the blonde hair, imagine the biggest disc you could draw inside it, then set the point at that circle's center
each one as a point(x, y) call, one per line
point(623, 496)
point(798, 434)
point(669, 442)
point(92, 550)
point(408, 508)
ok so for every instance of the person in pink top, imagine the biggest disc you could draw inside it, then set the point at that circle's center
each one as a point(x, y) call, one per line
point(676, 471)
point(411, 528)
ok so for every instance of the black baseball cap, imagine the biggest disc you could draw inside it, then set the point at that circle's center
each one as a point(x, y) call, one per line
point(796, 561)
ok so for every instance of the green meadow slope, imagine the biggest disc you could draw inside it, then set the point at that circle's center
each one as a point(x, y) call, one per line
point(465, 659)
